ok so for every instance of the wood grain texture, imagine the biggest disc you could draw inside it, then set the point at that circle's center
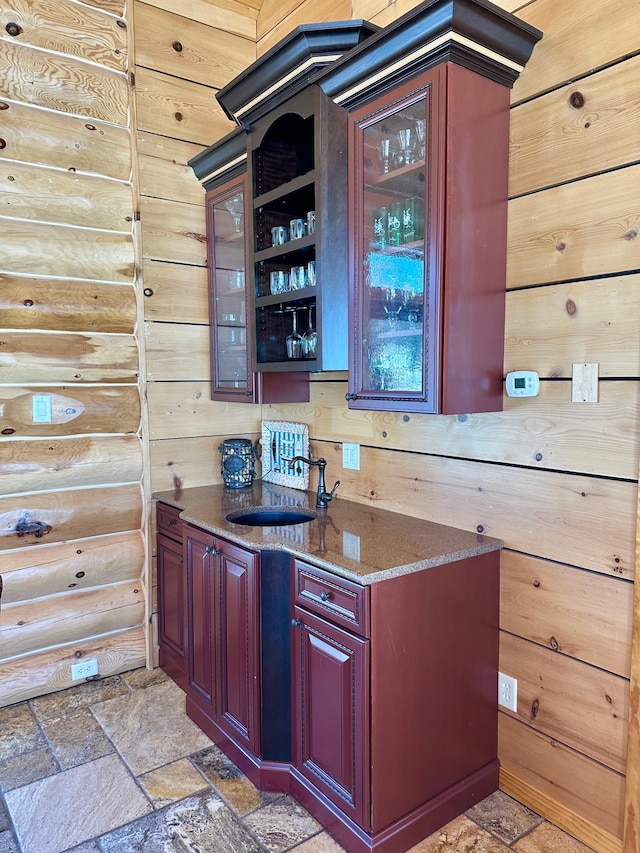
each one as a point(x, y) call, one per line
point(592, 792)
point(234, 16)
point(48, 671)
point(164, 171)
point(175, 292)
point(188, 49)
point(185, 410)
point(581, 614)
point(587, 36)
point(57, 195)
point(35, 135)
point(31, 573)
point(182, 463)
point(40, 249)
point(52, 463)
point(76, 409)
point(116, 7)
point(550, 807)
point(576, 130)
point(68, 357)
point(273, 25)
point(70, 28)
point(580, 705)
point(173, 231)
point(178, 108)
point(588, 321)
point(584, 521)
point(71, 514)
point(65, 305)
point(68, 618)
point(167, 361)
point(632, 794)
point(547, 431)
point(63, 83)
point(583, 229)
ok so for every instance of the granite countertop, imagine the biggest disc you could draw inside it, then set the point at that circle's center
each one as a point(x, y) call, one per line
point(355, 541)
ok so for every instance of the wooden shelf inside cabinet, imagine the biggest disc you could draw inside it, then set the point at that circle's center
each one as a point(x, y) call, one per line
point(285, 249)
point(287, 189)
point(287, 296)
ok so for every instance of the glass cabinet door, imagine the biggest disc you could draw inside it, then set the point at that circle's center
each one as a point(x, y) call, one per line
point(394, 353)
point(226, 212)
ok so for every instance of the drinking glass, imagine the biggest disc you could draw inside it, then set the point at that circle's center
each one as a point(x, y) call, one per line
point(310, 340)
point(294, 339)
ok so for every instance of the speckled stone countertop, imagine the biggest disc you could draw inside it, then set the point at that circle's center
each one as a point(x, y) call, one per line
point(355, 541)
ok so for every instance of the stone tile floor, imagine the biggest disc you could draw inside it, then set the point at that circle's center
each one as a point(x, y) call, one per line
point(115, 765)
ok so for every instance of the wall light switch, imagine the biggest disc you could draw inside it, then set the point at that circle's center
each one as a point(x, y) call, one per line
point(584, 383)
point(351, 456)
point(41, 408)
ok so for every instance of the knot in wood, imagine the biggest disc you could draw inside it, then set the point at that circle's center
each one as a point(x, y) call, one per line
point(3, 143)
point(178, 116)
point(577, 100)
point(177, 46)
point(122, 25)
point(28, 303)
point(538, 457)
point(13, 29)
point(3, 106)
point(555, 645)
point(480, 528)
point(631, 234)
point(148, 291)
point(561, 247)
point(572, 308)
point(535, 707)
point(536, 583)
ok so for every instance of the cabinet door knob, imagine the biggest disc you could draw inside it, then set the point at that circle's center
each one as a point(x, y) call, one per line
point(295, 622)
point(170, 523)
point(325, 596)
point(348, 396)
point(209, 549)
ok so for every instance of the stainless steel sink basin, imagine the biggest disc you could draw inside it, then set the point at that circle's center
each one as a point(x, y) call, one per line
point(271, 516)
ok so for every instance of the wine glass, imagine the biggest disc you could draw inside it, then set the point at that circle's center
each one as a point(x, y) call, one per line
point(420, 137)
point(310, 340)
point(384, 150)
point(294, 339)
point(234, 206)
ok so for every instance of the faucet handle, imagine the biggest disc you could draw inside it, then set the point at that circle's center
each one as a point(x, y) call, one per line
point(326, 496)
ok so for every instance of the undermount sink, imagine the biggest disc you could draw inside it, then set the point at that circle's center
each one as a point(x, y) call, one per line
point(269, 516)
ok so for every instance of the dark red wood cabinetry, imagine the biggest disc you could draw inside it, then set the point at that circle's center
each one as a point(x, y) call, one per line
point(172, 594)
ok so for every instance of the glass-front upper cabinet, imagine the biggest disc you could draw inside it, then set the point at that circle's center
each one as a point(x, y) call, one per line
point(231, 376)
point(396, 288)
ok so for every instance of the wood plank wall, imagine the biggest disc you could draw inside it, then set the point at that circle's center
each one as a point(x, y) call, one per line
point(72, 552)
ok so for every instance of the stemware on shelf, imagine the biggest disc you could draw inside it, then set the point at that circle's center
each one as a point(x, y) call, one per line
point(310, 340)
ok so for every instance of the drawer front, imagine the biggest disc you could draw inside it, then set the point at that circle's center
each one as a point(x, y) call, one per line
point(168, 521)
point(340, 601)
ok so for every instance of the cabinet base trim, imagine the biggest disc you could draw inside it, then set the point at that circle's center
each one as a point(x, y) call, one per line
point(265, 775)
point(409, 830)
point(173, 668)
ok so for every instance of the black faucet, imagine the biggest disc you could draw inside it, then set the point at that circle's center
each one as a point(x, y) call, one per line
point(323, 496)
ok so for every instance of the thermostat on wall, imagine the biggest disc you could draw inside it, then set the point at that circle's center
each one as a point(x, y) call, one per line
point(523, 383)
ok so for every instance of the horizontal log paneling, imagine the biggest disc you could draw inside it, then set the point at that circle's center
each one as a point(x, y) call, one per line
point(74, 410)
point(178, 108)
point(68, 357)
point(34, 76)
point(71, 198)
point(589, 789)
point(580, 705)
point(30, 573)
point(116, 7)
point(51, 138)
point(173, 231)
point(584, 521)
point(62, 619)
point(185, 409)
point(64, 305)
point(578, 613)
point(547, 431)
point(164, 169)
point(182, 463)
point(44, 672)
point(178, 292)
point(588, 321)
point(70, 28)
point(206, 54)
point(577, 130)
point(550, 807)
point(52, 463)
point(272, 28)
point(72, 514)
point(170, 362)
point(66, 251)
point(583, 229)
point(234, 16)
point(587, 35)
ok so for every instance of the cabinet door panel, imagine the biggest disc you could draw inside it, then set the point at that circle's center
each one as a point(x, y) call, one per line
point(331, 749)
point(199, 552)
point(238, 652)
point(171, 597)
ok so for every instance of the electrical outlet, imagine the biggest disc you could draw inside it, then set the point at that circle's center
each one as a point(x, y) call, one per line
point(351, 456)
point(508, 692)
point(84, 669)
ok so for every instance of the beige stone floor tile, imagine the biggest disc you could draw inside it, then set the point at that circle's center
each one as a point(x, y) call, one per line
point(8, 843)
point(172, 782)
point(19, 731)
point(29, 767)
point(461, 836)
point(504, 817)
point(547, 838)
point(238, 791)
point(79, 696)
point(77, 738)
point(149, 727)
point(320, 843)
point(138, 679)
point(58, 812)
point(282, 824)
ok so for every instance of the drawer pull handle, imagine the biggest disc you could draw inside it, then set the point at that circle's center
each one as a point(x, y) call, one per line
point(209, 549)
point(295, 623)
point(325, 596)
point(170, 523)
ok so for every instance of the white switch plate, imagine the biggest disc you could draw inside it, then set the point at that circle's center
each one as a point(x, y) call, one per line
point(351, 456)
point(584, 383)
point(41, 408)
